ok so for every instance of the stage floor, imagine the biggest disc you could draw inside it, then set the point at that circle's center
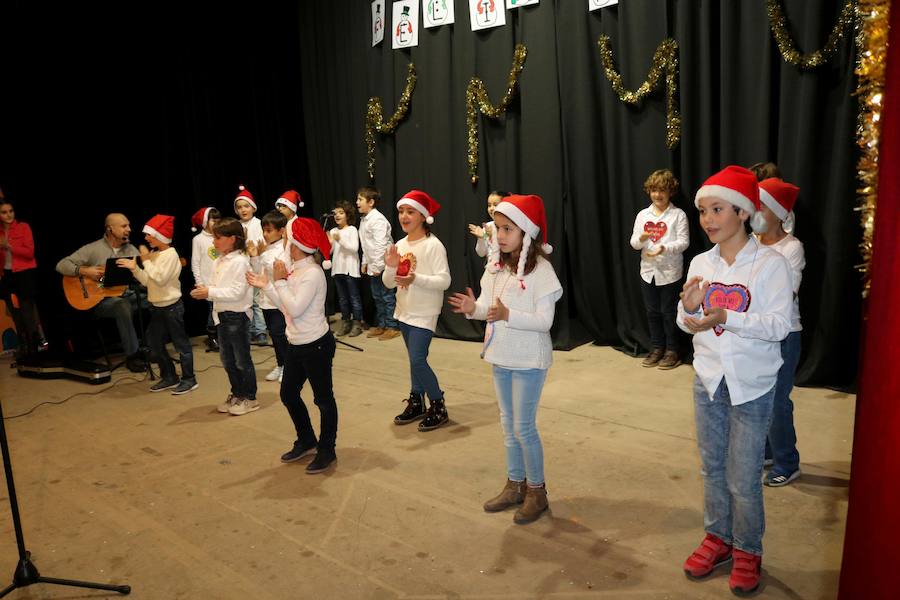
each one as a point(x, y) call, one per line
point(179, 501)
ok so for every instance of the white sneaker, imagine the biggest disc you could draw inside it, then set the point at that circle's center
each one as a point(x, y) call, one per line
point(275, 374)
point(223, 408)
point(281, 375)
point(243, 406)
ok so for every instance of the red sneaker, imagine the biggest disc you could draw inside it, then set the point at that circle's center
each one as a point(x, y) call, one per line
point(745, 572)
point(711, 553)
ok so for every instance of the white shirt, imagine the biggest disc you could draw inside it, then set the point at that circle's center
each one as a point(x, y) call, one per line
point(345, 251)
point(265, 262)
point(253, 230)
point(375, 238)
point(792, 249)
point(228, 289)
point(203, 257)
point(160, 276)
point(670, 229)
point(483, 246)
point(302, 300)
point(747, 353)
point(420, 304)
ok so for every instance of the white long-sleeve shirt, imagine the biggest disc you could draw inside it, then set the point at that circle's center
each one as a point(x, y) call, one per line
point(228, 289)
point(160, 276)
point(265, 263)
point(253, 229)
point(483, 245)
point(420, 304)
point(302, 300)
point(345, 251)
point(203, 257)
point(670, 229)
point(746, 350)
point(792, 249)
point(375, 238)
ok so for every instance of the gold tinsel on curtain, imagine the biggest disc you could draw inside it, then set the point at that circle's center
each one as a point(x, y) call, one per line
point(665, 58)
point(477, 100)
point(786, 45)
point(375, 117)
point(871, 43)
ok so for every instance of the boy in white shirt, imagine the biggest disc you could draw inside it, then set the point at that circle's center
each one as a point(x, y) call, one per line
point(203, 257)
point(263, 260)
point(375, 239)
point(245, 207)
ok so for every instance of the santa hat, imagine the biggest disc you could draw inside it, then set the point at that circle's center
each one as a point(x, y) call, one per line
point(244, 194)
point(422, 202)
point(779, 196)
point(161, 227)
point(291, 199)
point(200, 218)
point(307, 235)
point(527, 212)
point(737, 186)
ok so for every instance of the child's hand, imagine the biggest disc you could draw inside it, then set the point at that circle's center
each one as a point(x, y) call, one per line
point(128, 263)
point(364, 269)
point(392, 257)
point(711, 318)
point(644, 237)
point(656, 251)
point(279, 270)
point(463, 303)
point(693, 292)
point(405, 280)
point(252, 249)
point(145, 252)
point(201, 292)
point(476, 230)
point(336, 236)
point(257, 280)
point(498, 312)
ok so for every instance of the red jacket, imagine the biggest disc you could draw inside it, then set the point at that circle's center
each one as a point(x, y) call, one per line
point(21, 244)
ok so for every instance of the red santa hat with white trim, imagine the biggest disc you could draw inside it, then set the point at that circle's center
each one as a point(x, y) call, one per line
point(309, 236)
point(780, 197)
point(244, 194)
point(291, 199)
point(200, 219)
point(162, 227)
point(528, 213)
point(737, 186)
point(422, 202)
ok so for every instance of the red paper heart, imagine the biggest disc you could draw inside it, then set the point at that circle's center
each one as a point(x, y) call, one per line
point(734, 297)
point(404, 267)
point(656, 230)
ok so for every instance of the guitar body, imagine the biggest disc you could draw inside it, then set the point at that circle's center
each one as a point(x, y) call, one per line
point(83, 293)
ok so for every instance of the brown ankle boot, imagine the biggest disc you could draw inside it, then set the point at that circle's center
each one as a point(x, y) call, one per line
point(535, 504)
point(513, 493)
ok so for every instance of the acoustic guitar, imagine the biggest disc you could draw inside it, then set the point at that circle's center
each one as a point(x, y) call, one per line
point(83, 293)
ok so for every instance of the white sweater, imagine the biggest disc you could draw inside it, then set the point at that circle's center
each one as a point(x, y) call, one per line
point(302, 300)
point(420, 304)
point(203, 257)
point(345, 251)
point(160, 276)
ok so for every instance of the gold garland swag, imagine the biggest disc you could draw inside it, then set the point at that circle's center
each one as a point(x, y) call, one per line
point(787, 47)
point(375, 117)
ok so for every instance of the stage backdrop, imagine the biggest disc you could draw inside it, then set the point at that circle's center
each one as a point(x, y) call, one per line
point(568, 138)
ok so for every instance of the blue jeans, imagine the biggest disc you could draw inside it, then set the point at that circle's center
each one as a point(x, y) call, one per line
point(661, 302)
point(348, 297)
point(781, 445)
point(258, 326)
point(385, 302)
point(732, 441)
point(277, 327)
point(518, 394)
point(234, 349)
point(121, 309)
point(311, 362)
point(167, 323)
point(424, 381)
point(211, 330)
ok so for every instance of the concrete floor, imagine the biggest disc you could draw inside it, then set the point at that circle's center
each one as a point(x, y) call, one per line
point(165, 494)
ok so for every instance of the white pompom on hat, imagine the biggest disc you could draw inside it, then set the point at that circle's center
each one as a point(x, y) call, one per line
point(422, 202)
point(244, 194)
point(200, 219)
point(737, 186)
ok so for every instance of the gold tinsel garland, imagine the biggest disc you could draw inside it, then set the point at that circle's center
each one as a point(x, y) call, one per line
point(477, 100)
point(665, 58)
point(871, 43)
point(375, 117)
point(786, 45)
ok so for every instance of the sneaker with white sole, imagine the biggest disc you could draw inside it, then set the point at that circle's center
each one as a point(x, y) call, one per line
point(225, 406)
point(275, 374)
point(774, 479)
point(163, 385)
point(184, 387)
point(243, 406)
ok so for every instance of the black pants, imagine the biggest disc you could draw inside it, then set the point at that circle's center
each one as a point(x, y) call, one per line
point(276, 325)
point(311, 362)
point(661, 302)
point(25, 317)
point(167, 323)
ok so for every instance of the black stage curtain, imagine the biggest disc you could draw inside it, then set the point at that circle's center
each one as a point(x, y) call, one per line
point(569, 139)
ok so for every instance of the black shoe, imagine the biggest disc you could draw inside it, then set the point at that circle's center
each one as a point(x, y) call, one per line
point(212, 344)
point(136, 363)
point(297, 452)
point(320, 463)
point(415, 410)
point(435, 416)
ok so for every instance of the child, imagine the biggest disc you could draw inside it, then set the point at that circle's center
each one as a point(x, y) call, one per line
point(519, 291)
point(661, 234)
point(777, 201)
point(418, 265)
point(245, 208)
point(345, 271)
point(159, 273)
point(287, 204)
point(203, 257)
point(262, 260)
point(375, 238)
point(737, 303)
point(311, 350)
point(485, 232)
point(232, 309)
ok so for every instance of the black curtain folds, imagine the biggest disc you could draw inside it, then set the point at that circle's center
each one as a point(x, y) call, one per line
point(569, 139)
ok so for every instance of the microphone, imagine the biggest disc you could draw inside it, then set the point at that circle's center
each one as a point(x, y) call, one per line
point(327, 215)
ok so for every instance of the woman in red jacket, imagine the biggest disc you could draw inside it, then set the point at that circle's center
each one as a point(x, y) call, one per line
point(19, 268)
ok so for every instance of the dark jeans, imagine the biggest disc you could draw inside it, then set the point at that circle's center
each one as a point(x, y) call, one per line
point(234, 349)
point(424, 381)
point(167, 323)
point(781, 444)
point(276, 325)
point(661, 302)
point(25, 316)
point(348, 296)
point(385, 303)
point(311, 362)
point(211, 330)
point(121, 309)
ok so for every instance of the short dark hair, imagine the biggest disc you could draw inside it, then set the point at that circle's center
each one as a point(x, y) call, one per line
point(765, 170)
point(228, 227)
point(348, 209)
point(213, 214)
point(370, 193)
point(275, 219)
point(500, 193)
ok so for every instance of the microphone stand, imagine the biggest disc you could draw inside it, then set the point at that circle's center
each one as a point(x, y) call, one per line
point(325, 219)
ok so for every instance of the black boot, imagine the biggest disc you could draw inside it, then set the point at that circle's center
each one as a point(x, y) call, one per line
point(435, 416)
point(415, 410)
